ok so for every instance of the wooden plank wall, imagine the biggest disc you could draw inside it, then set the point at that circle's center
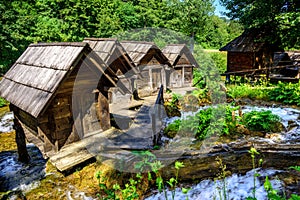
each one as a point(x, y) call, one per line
point(143, 86)
point(56, 125)
point(238, 61)
point(188, 76)
point(176, 78)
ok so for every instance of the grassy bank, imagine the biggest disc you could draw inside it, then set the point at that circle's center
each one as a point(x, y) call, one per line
point(286, 93)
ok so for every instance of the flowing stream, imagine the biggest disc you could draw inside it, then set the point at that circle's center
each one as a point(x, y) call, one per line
point(235, 187)
point(15, 175)
point(241, 186)
point(290, 118)
point(6, 122)
point(18, 176)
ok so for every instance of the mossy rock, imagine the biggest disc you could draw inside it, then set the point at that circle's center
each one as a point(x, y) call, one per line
point(172, 129)
point(241, 129)
point(172, 111)
point(170, 134)
point(277, 127)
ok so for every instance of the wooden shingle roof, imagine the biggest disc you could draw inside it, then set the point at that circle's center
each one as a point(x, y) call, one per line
point(251, 40)
point(175, 52)
point(109, 50)
point(139, 50)
point(34, 78)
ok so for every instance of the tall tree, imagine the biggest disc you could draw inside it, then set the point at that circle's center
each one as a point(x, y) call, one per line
point(280, 16)
point(15, 21)
point(194, 15)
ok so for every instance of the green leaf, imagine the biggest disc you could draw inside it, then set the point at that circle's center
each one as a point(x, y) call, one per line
point(185, 190)
point(178, 165)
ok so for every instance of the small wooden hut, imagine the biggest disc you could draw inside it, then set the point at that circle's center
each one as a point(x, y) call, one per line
point(183, 62)
point(249, 51)
point(59, 92)
point(115, 56)
point(152, 64)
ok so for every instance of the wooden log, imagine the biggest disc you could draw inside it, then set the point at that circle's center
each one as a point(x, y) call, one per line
point(21, 142)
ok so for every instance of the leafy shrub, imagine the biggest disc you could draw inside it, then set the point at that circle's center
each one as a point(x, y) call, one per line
point(202, 95)
point(260, 120)
point(287, 93)
point(207, 122)
point(220, 60)
point(199, 123)
point(248, 91)
point(3, 102)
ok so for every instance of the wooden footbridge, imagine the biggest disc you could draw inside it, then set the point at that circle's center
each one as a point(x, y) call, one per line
point(142, 134)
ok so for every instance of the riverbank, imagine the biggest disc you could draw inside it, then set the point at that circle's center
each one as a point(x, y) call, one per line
point(83, 184)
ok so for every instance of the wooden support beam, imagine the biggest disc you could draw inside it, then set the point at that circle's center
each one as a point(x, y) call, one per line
point(21, 141)
point(103, 110)
point(101, 70)
point(255, 70)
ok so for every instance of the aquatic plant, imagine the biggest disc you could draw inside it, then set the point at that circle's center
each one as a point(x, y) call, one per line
point(222, 191)
point(253, 152)
point(128, 192)
point(219, 120)
point(172, 129)
point(260, 120)
point(172, 182)
point(272, 194)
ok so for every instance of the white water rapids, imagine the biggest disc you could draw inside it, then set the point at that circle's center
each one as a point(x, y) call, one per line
point(17, 176)
point(237, 187)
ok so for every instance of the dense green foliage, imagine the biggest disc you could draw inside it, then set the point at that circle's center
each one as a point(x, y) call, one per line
point(280, 17)
point(25, 22)
point(222, 120)
point(287, 93)
point(248, 91)
point(208, 75)
point(207, 122)
point(219, 60)
point(260, 120)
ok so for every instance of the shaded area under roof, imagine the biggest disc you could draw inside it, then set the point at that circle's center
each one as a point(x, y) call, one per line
point(176, 51)
point(110, 50)
point(138, 50)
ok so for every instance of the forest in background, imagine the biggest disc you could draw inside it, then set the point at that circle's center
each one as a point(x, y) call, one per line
point(25, 21)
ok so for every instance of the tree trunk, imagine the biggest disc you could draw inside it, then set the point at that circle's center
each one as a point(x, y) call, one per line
point(21, 142)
